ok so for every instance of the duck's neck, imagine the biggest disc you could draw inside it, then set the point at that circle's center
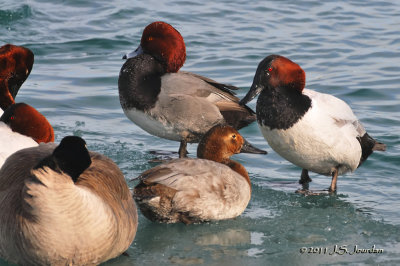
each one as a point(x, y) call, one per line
point(6, 98)
point(238, 168)
point(281, 108)
point(139, 82)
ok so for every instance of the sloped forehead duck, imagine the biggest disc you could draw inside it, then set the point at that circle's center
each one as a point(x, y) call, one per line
point(169, 103)
point(15, 66)
point(211, 187)
point(21, 125)
point(315, 131)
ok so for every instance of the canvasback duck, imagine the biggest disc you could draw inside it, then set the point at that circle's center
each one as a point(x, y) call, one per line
point(212, 187)
point(64, 205)
point(315, 131)
point(15, 66)
point(172, 104)
point(22, 126)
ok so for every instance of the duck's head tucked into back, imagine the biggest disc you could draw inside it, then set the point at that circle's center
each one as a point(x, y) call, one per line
point(70, 157)
point(15, 66)
point(164, 43)
point(26, 120)
point(64, 205)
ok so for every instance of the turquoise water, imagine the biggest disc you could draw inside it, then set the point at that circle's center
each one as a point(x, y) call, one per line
point(348, 48)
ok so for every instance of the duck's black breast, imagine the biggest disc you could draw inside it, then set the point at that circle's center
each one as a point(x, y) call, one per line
point(281, 108)
point(139, 82)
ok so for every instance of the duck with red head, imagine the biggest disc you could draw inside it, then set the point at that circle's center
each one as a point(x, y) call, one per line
point(22, 126)
point(315, 131)
point(212, 187)
point(15, 66)
point(169, 103)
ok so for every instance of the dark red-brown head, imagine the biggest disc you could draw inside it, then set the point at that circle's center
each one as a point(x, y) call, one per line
point(276, 71)
point(15, 66)
point(27, 121)
point(163, 42)
point(221, 142)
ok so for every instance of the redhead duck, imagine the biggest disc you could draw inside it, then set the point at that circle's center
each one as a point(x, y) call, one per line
point(212, 187)
point(169, 103)
point(315, 131)
point(64, 205)
point(15, 66)
point(22, 126)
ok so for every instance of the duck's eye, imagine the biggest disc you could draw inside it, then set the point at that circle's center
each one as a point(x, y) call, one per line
point(234, 136)
point(150, 38)
point(269, 69)
point(12, 117)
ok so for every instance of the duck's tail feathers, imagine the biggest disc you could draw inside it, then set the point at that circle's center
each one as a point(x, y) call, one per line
point(379, 147)
point(368, 145)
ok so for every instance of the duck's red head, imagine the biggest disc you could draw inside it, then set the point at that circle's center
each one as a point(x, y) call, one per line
point(276, 71)
point(165, 43)
point(285, 73)
point(15, 66)
point(220, 143)
point(26, 120)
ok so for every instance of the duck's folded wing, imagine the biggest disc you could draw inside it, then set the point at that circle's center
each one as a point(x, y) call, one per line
point(196, 85)
point(337, 109)
point(209, 97)
point(194, 184)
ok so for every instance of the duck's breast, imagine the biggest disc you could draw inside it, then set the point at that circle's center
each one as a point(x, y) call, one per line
point(322, 139)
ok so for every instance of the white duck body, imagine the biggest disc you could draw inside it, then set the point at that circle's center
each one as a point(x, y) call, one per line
point(324, 138)
point(200, 189)
point(47, 219)
point(11, 142)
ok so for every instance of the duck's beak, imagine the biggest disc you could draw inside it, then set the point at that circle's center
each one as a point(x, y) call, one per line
point(137, 52)
point(253, 92)
point(248, 148)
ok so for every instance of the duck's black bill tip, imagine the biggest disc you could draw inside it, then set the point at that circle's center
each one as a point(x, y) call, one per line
point(248, 148)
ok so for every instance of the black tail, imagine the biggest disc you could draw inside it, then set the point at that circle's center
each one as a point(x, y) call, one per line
point(368, 145)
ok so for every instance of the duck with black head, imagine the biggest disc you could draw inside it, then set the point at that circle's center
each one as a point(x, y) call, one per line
point(169, 103)
point(211, 187)
point(64, 205)
point(315, 131)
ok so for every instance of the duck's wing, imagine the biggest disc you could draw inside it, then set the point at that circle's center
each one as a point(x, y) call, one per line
point(193, 189)
point(211, 95)
point(338, 110)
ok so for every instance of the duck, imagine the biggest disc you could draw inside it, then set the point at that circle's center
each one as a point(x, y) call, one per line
point(172, 104)
point(22, 126)
point(15, 66)
point(210, 187)
point(315, 131)
point(63, 205)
